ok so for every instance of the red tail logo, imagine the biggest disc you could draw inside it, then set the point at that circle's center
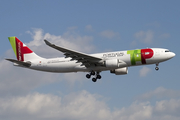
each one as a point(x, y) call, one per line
point(21, 50)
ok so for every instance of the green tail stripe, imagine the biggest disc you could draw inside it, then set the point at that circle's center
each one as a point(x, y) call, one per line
point(12, 40)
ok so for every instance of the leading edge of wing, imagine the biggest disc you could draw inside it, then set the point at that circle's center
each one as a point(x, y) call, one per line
point(72, 53)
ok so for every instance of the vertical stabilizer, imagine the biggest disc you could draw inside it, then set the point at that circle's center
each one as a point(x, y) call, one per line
point(22, 52)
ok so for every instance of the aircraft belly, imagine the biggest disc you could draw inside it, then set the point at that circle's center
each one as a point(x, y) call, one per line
point(150, 61)
point(54, 66)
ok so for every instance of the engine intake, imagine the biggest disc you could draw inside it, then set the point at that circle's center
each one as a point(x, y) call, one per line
point(120, 71)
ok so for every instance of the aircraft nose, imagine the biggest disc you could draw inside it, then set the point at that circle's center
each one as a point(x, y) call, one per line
point(173, 54)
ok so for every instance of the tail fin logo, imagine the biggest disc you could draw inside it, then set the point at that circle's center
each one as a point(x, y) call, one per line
point(19, 48)
point(19, 55)
point(19, 52)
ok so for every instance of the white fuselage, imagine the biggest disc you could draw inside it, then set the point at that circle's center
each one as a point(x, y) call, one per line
point(74, 61)
point(126, 59)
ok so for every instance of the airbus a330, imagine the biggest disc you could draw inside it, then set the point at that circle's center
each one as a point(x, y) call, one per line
point(74, 61)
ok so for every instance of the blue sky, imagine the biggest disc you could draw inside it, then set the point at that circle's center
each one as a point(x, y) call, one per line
point(89, 27)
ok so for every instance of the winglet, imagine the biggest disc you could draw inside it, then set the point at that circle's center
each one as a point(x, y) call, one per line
point(48, 43)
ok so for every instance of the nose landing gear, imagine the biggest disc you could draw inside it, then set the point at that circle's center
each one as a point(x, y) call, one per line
point(157, 68)
point(93, 73)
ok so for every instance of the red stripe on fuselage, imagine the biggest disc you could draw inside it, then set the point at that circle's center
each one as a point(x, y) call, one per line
point(21, 50)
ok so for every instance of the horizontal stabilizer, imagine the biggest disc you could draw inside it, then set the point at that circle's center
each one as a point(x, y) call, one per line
point(25, 64)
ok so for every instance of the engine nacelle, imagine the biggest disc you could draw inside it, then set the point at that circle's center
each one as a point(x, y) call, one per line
point(120, 71)
point(111, 63)
point(115, 63)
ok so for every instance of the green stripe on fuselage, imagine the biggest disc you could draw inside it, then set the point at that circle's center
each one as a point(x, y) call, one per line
point(135, 55)
point(12, 40)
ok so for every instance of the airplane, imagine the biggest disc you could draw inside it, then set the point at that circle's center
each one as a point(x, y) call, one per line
point(116, 62)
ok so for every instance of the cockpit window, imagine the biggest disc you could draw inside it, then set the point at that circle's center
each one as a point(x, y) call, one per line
point(167, 51)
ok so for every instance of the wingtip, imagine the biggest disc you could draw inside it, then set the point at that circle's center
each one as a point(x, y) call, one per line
point(48, 43)
point(45, 41)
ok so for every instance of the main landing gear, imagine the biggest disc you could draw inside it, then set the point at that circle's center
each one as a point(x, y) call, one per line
point(93, 73)
point(157, 68)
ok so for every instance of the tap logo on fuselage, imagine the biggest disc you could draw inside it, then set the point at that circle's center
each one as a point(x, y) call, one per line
point(140, 55)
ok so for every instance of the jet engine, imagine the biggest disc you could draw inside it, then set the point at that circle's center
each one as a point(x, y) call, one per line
point(120, 71)
point(115, 63)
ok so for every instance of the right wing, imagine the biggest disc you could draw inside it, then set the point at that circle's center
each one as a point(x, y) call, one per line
point(85, 59)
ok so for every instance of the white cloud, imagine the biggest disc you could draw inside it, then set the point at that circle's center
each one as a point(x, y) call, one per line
point(37, 35)
point(136, 111)
point(168, 107)
point(109, 34)
point(18, 81)
point(160, 92)
point(89, 28)
point(148, 37)
point(72, 78)
point(83, 106)
point(69, 39)
point(164, 36)
point(144, 71)
point(145, 36)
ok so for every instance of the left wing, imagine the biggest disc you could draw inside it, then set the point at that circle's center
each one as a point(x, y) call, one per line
point(85, 59)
